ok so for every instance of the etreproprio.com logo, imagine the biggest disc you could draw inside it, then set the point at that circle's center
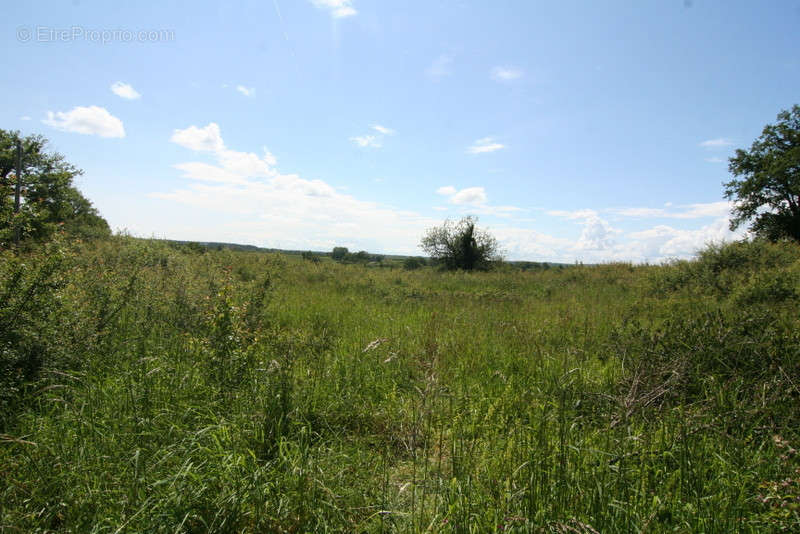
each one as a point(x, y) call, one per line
point(48, 34)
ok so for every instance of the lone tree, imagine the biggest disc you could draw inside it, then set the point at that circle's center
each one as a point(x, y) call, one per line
point(48, 198)
point(766, 186)
point(461, 245)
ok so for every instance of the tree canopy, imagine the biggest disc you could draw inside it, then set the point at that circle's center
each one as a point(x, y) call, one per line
point(766, 187)
point(49, 200)
point(461, 245)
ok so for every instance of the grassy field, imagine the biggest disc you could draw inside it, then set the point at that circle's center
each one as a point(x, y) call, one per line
point(149, 387)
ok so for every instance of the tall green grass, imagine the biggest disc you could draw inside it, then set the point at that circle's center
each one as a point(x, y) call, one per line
point(157, 388)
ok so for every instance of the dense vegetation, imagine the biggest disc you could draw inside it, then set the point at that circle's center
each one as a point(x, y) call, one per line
point(157, 387)
point(43, 199)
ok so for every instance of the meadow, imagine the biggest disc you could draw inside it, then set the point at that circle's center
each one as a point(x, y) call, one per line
point(156, 387)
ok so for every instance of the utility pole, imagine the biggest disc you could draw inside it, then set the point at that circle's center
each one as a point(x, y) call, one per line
point(17, 187)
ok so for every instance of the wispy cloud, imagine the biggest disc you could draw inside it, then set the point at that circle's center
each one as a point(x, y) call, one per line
point(25, 118)
point(382, 129)
point(367, 141)
point(125, 90)
point(246, 91)
point(337, 8)
point(506, 73)
point(575, 214)
point(716, 143)
point(91, 120)
point(687, 211)
point(715, 160)
point(482, 146)
point(373, 140)
point(442, 66)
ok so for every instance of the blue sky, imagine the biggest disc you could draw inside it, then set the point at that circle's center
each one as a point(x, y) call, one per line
point(592, 131)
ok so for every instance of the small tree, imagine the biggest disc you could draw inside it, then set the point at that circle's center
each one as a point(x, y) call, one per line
point(461, 245)
point(767, 184)
point(339, 253)
point(49, 200)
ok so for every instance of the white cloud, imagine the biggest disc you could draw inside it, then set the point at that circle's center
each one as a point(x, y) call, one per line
point(474, 200)
point(241, 197)
point(484, 145)
point(210, 173)
point(373, 140)
point(125, 90)
point(281, 210)
point(470, 195)
point(576, 214)
point(367, 141)
point(597, 234)
point(25, 118)
point(382, 129)
point(688, 211)
point(662, 241)
point(246, 91)
point(715, 160)
point(441, 67)
point(506, 74)
point(234, 166)
point(206, 139)
point(640, 212)
point(337, 8)
point(91, 120)
point(716, 143)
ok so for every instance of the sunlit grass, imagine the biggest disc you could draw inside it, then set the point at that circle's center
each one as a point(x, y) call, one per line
point(172, 391)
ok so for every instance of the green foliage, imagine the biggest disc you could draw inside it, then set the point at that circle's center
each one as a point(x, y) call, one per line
point(339, 253)
point(49, 200)
point(766, 186)
point(461, 246)
point(743, 272)
point(413, 263)
point(152, 388)
point(310, 256)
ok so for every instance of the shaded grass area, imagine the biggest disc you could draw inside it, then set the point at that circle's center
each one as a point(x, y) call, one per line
point(150, 387)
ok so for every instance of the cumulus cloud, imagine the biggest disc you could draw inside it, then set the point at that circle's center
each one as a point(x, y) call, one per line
point(125, 90)
point(337, 8)
point(596, 234)
point(470, 195)
point(233, 166)
point(242, 197)
point(664, 241)
point(246, 91)
point(475, 200)
point(484, 145)
point(506, 73)
point(205, 139)
point(255, 203)
point(91, 120)
point(720, 142)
